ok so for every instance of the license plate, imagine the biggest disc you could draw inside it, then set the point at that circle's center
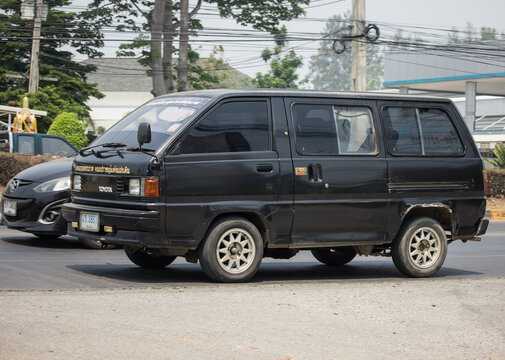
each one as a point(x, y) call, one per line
point(10, 208)
point(90, 222)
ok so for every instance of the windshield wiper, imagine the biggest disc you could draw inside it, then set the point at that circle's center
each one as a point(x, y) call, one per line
point(106, 145)
point(146, 151)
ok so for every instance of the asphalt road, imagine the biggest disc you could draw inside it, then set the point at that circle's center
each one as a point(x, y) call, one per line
point(61, 301)
point(28, 263)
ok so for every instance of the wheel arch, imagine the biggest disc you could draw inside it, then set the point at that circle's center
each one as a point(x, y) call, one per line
point(255, 218)
point(440, 212)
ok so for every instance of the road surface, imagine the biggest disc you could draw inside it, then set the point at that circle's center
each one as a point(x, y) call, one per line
point(61, 301)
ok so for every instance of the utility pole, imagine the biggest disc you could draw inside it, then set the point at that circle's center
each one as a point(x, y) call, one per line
point(358, 50)
point(182, 74)
point(34, 61)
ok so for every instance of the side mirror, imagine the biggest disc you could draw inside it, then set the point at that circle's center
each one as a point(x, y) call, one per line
point(144, 134)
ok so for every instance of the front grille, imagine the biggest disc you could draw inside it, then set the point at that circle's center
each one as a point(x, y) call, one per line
point(120, 188)
point(22, 214)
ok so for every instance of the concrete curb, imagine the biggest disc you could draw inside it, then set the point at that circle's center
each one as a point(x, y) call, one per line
point(495, 214)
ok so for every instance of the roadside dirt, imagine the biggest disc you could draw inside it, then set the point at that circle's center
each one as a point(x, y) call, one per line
point(495, 204)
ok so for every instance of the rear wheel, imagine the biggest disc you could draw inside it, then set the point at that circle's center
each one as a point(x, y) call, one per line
point(147, 261)
point(232, 252)
point(420, 248)
point(336, 256)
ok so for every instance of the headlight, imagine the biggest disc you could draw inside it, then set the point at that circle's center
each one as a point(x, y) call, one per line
point(54, 185)
point(77, 182)
point(143, 187)
point(134, 187)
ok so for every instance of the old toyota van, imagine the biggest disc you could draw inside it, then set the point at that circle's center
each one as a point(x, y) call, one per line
point(227, 177)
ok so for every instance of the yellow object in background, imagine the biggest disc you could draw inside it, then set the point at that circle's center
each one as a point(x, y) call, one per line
point(25, 120)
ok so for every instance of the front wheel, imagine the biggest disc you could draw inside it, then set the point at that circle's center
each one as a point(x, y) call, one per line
point(420, 248)
point(146, 260)
point(232, 252)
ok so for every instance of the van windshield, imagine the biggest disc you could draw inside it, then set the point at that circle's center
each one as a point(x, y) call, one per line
point(165, 115)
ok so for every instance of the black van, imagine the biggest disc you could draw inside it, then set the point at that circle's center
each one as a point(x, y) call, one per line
point(227, 177)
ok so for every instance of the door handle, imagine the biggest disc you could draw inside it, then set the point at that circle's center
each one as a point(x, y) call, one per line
point(264, 167)
point(315, 172)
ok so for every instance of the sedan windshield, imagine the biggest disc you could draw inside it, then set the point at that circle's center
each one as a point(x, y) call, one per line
point(165, 115)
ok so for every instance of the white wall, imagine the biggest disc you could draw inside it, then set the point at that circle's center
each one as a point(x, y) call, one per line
point(115, 105)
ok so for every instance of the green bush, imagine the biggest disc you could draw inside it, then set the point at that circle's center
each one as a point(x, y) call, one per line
point(499, 152)
point(68, 126)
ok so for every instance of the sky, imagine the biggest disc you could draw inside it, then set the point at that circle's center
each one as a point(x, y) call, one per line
point(430, 19)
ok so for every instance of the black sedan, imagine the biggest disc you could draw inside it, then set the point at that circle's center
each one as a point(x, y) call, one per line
point(32, 200)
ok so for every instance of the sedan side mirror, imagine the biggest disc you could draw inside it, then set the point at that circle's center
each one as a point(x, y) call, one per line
point(144, 133)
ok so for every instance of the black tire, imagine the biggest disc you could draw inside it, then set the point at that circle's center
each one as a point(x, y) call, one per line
point(336, 256)
point(236, 261)
point(147, 261)
point(420, 248)
point(96, 244)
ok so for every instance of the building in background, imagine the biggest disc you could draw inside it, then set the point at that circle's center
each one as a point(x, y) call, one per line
point(473, 75)
point(124, 83)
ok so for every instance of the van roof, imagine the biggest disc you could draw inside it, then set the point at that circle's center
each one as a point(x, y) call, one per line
point(224, 93)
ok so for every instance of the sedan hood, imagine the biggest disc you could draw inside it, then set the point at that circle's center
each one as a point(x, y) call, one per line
point(47, 171)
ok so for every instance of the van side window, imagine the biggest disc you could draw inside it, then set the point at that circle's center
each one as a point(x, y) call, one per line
point(420, 131)
point(439, 134)
point(334, 130)
point(232, 127)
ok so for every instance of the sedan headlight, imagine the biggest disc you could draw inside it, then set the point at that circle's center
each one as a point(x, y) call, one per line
point(54, 185)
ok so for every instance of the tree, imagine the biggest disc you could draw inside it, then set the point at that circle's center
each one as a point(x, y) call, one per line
point(67, 125)
point(61, 29)
point(331, 71)
point(215, 73)
point(169, 19)
point(487, 33)
point(282, 72)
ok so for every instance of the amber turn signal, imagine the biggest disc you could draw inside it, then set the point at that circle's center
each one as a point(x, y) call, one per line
point(151, 187)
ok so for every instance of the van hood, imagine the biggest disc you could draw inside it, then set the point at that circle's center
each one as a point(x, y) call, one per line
point(130, 163)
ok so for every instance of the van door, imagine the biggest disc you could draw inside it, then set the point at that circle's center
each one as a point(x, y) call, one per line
point(429, 163)
point(340, 172)
point(223, 164)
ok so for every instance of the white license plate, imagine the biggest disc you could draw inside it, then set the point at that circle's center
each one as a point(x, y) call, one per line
point(10, 208)
point(90, 221)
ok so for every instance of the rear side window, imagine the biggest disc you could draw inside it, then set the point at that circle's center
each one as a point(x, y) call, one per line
point(334, 130)
point(420, 131)
point(232, 127)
